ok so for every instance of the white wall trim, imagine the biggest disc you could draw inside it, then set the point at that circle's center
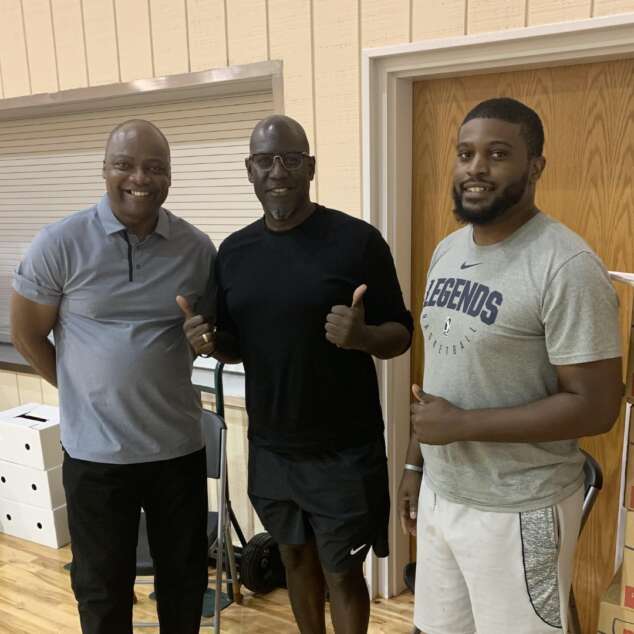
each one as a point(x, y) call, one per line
point(258, 76)
point(387, 77)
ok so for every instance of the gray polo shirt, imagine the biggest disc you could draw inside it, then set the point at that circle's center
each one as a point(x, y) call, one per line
point(123, 363)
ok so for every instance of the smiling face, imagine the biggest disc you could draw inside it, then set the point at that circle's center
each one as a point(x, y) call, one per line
point(282, 191)
point(493, 174)
point(136, 169)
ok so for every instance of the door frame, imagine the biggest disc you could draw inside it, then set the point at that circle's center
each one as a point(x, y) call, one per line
point(388, 75)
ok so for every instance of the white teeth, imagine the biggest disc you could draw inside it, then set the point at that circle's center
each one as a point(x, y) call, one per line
point(476, 189)
point(279, 190)
point(139, 194)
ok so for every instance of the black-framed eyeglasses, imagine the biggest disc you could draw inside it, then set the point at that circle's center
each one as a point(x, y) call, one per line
point(289, 160)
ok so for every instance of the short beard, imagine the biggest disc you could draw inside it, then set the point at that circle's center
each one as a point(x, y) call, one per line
point(511, 195)
point(281, 214)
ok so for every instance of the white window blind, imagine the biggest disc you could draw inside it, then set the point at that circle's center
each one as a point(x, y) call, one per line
point(50, 167)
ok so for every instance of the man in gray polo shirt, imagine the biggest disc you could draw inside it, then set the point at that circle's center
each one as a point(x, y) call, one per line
point(104, 280)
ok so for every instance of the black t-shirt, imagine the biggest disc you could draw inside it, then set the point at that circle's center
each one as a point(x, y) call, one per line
point(275, 290)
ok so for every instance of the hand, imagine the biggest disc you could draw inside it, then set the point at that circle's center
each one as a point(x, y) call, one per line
point(345, 325)
point(435, 421)
point(196, 329)
point(407, 500)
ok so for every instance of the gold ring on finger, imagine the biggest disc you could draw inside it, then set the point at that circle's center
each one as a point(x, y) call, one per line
point(206, 337)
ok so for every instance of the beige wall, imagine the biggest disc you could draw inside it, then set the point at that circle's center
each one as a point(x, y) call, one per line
point(51, 45)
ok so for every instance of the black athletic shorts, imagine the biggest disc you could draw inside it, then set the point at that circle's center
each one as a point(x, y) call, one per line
point(340, 498)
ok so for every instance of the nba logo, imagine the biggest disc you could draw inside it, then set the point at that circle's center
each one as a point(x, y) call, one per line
point(447, 326)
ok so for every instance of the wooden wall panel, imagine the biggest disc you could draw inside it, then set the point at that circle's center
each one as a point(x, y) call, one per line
point(70, 44)
point(247, 33)
point(101, 42)
point(290, 36)
point(610, 7)
point(15, 69)
point(549, 11)
point(29, 388)
point(9, 395)
point(438, 18)
point(169, 37)
point(38, 29)
point(49, 393)
point(207, 34)
point(337, 87)
point(493, 15)
point(133, 36)
point(384, 22)
point(587, 184)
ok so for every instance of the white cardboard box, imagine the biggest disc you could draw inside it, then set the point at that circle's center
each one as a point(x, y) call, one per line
point(29, 435)
point(35, 487)
point(48, 527)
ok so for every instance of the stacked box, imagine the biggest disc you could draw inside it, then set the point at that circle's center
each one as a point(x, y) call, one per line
point(613, 617)
point(627, 577)
point(32, 502)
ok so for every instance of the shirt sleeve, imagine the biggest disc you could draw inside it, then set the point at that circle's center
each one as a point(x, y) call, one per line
point(40, 275)
point(581, 313)
point(384, 298)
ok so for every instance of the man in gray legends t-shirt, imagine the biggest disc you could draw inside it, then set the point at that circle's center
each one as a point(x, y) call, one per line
point(105, 280)
point(520, 327)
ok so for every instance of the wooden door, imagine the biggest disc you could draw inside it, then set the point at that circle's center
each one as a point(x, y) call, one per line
point(588, 184)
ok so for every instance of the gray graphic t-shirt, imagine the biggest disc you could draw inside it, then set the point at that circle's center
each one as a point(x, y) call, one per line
point(496, 320)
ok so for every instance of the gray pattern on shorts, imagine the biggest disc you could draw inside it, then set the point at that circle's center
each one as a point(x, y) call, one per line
point(540, 549)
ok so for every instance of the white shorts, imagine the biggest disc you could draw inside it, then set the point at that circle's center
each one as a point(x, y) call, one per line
point(494, 573)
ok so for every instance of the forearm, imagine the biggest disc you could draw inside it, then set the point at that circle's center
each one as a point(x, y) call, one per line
point(387, 340)
point(562, 416)
point(40, 353)
point(414, 455)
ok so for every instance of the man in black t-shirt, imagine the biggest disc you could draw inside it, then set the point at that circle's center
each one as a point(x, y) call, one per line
point(306, 296)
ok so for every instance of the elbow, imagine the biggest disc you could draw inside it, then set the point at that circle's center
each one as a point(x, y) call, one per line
point(604, 420)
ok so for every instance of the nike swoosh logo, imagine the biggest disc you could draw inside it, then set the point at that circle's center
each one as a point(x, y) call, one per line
point(354, 551)
point(464, 265)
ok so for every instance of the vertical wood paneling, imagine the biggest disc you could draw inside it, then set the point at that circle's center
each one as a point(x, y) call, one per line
point(610, 7)
point(384, 22)
point(550, 11)
point(29, 388)
point(437, 18)
point(101, 42)
point(169, 37)
point(15, 70)
point(38, 28)
point(9, 395)
point(133, 34)
point(207, 34)
point(493, 15)
point(49, 394)
point(69, 44)
point(247, 31)
point(291, 41)
point(336, 33)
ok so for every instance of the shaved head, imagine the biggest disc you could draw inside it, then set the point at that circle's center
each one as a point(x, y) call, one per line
point(275, 126)
point(137, 125)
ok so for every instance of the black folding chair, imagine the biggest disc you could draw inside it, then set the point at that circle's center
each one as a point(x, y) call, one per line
point(218, 522)
point(593, 484)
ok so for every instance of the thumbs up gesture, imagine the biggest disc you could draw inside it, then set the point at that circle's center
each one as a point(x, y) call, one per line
point(198, 332)
point(345, 325)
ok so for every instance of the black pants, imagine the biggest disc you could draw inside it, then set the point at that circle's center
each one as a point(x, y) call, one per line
point(104, 503)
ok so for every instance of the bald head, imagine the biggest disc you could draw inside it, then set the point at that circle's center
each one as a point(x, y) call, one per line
point(134, 128)
point(278, 129)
